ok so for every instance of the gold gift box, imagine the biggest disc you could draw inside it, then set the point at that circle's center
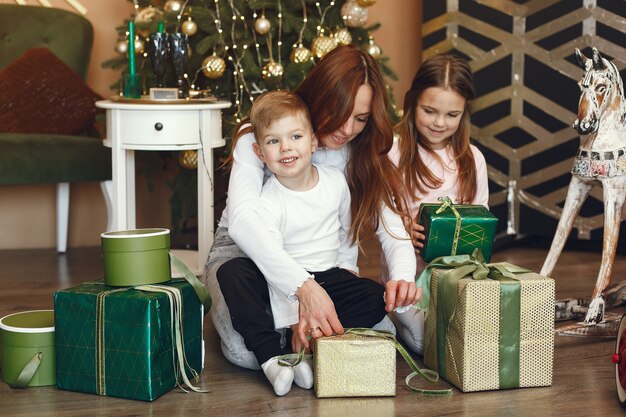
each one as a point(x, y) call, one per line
point(472, 343)
point(350, 365)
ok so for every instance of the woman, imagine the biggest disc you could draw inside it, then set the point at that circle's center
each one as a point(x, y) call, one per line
point(347, 100)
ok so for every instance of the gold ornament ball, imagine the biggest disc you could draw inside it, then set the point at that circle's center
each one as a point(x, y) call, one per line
point(172, 7)
point(188, 159)
point(122, 47)
point(323, 45)
point(300, 54)
point(366, 3)
point(374, 50)
point(343, 36)
point(262, 25)
point(353, 15)
point(272, 70)
point(189, 27)
point(139, 46)
point(146, 20)
point(213, 66)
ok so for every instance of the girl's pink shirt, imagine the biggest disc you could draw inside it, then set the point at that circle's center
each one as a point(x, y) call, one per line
point(449, 173)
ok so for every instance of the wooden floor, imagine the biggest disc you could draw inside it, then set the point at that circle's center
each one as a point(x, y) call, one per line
point(584, 381)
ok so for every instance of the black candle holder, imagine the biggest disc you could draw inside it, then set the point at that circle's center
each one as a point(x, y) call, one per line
point(179, 54)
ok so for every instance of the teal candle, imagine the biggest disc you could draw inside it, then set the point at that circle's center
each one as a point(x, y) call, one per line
point(131, 49)
point(161, 27)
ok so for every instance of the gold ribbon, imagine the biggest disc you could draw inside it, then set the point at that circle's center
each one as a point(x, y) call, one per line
point(447, 203)
point(100, 345)
point(176, 330)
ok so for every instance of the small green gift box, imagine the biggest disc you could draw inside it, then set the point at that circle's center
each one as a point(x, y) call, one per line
point(126, 342)
point(456, 229)
point(489, 326)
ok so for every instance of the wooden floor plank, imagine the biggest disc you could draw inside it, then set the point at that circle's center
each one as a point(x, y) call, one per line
point(583, 385)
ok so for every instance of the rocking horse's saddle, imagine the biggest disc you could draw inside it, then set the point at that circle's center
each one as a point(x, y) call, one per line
point(592, 164)
point(600, 156)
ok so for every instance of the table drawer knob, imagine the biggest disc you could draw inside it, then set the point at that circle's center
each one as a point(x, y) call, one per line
point(158, 126)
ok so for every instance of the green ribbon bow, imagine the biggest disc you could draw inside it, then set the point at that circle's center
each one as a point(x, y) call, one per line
point(474, 266)
point(447, 204)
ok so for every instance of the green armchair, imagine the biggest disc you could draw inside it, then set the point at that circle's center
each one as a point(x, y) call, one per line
point(42, 157)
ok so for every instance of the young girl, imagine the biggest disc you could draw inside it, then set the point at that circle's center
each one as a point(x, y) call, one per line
point(346, 96)
point(435, 156)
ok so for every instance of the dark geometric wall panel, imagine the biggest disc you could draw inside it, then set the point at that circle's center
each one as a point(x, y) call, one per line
point(526, 75)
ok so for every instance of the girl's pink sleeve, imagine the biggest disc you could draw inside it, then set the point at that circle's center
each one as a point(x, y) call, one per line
point(482, 180)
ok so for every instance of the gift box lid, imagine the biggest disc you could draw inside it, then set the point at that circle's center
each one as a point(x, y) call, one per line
point(136, 257)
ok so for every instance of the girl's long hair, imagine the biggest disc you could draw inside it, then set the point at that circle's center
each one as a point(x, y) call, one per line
point(329, 90)
point(445, 71)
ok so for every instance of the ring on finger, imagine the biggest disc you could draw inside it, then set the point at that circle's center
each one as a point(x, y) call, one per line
point(314, 329)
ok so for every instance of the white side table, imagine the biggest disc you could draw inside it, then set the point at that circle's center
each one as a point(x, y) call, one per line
point(160, 127)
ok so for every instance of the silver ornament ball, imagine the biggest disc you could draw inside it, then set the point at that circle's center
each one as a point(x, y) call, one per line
point(122, 47)
point(353, 15)
point(262, 25)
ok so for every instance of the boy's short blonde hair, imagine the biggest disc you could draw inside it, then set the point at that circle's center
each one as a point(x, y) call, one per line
point(274, 105)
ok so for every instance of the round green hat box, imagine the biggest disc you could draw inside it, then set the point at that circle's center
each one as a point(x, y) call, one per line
point(22, 336)
point(136, 257)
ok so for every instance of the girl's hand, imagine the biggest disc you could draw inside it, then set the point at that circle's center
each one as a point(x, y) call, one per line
point(417, 236)
point(317, 313)
point(400, 294)
point(296, 344)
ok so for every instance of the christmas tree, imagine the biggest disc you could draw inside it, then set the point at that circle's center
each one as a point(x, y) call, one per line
point(238, 49)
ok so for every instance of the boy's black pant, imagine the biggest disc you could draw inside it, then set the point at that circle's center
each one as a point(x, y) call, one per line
point(358, 302)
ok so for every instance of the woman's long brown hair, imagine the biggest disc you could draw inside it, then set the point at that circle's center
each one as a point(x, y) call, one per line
point(449, 72)
point(329, 90)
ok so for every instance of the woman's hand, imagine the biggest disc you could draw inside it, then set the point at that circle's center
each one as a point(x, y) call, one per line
point(401, 293)
point(317, 313)
point(417, 236)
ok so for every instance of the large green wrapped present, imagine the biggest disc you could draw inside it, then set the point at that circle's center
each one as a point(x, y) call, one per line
point(126, 342)
point(456, 229)
point(489, 326)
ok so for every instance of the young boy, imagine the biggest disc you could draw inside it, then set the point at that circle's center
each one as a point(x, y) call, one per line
point(307, 209)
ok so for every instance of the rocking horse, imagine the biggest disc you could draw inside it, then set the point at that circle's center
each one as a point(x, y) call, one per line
point(601, 159)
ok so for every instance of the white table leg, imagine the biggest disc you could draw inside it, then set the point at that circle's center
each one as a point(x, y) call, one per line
point(130, 189)
point(118, 157)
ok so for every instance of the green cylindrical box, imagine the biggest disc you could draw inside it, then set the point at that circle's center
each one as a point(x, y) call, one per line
point(22, 336)
point(136, 257)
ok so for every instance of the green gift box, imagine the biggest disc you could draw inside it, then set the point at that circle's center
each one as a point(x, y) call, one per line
point(121, 342)
point(489, 326)
point(452, 229)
